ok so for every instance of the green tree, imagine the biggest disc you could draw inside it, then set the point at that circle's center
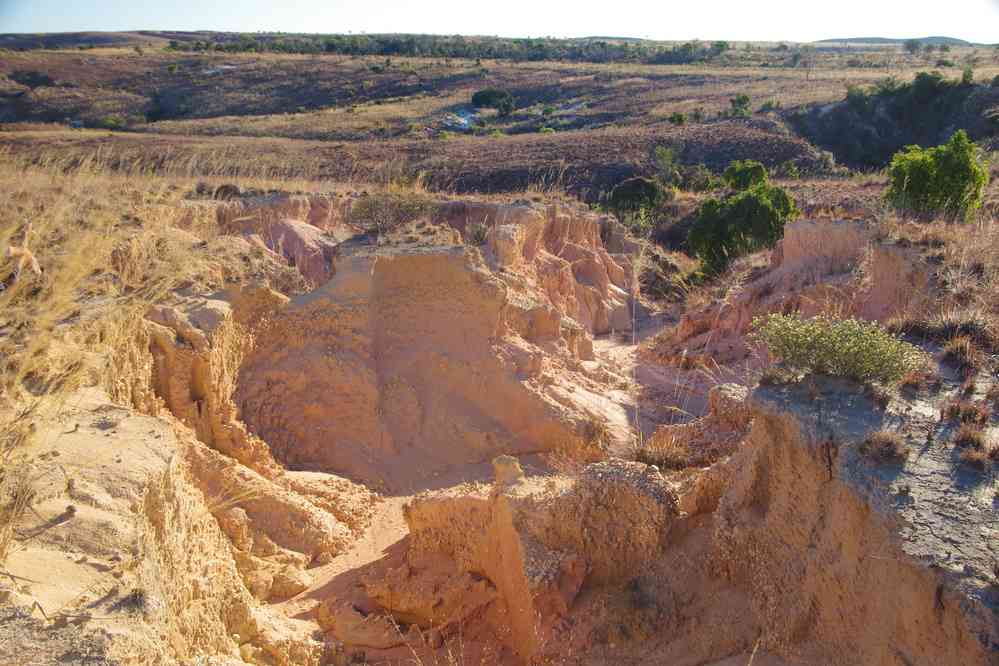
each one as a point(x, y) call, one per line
point(494, 98)
point(739, 224)
point(912, 46)
point(948, 179)
point(742, 175)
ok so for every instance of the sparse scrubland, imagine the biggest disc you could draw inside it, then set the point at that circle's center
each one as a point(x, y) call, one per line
point(315, 354)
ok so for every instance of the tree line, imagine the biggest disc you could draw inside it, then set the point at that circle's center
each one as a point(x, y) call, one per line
point(437, 46)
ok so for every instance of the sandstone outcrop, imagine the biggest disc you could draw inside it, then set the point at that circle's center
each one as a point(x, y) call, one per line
point(516, 555)
point(416, 356)
point(871, 563)
point(560, 250)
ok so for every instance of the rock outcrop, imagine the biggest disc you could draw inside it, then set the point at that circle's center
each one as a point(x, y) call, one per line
point(416, 356)
point(853, 557)
point(513, 557)
point(793, 545)
point(561, 251)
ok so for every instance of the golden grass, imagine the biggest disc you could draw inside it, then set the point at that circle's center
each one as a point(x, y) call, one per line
point(884, 446)
point(399, 117)
point(16, 495)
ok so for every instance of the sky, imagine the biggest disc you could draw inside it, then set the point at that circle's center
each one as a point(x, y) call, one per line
point(739, 20)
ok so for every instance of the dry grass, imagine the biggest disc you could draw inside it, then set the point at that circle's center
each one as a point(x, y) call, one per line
point(885, 446)
point(597, 434)
point(977, 413)
point(16, 496)
point(963, 353)
point(970, 436)
point(976, 449)
point(667, 453)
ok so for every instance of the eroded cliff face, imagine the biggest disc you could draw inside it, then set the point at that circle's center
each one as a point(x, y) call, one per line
point(823, 538)
point(418, 353)
point(411, 359)
point(787, 547)
point(298, 477)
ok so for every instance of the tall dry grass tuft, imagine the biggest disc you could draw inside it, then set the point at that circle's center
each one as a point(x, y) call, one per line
point(16, 495)
point(95, 239)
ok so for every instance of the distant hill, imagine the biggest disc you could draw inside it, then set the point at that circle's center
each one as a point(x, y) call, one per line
point(68, 40)
point(936, 41)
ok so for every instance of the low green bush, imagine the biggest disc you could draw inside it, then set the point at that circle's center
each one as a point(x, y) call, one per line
point(788, 169)
point(740, 106)
point(637, 194)
point(671, 172)
point(948, 179)
point(678, 118)
point(494, 98)
point(743, 174)
point(699, 178)
point(852, 348)
point(739, 224)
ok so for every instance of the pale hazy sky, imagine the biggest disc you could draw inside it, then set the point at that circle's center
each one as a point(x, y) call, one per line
point(771, 20)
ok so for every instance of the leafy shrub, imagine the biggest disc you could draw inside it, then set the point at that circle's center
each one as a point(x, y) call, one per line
point(112, 122)
point(742, 223)
point(667, 165)
point(852, 348)
point(771, 105)
point(677, 118)
point(943, 62)
point(697, 115)
point(740, 106)
point(548, 110)
point(699, 178)
point(383, 212)
point(788, 169)
point(494, 98)
point(743, 174)
point(638, 222)
point(546, 130)
point(671, 173)
point(948, 179)
point(967, 76)
point(635, 194)
point(858, 98)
